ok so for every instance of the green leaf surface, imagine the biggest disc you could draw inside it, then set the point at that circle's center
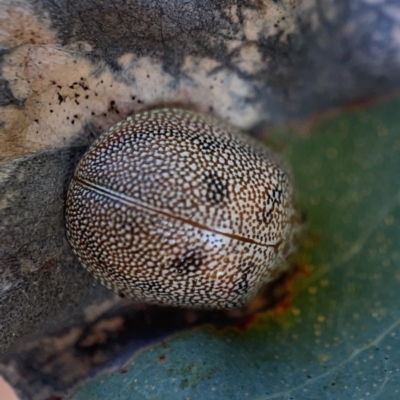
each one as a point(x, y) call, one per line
point(340, 339)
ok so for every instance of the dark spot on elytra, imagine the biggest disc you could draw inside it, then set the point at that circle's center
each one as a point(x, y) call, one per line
point(274, 199)
point(207, 144)
point(217, 189)
point(242, 285)
point(272, 202)
point(191, 261)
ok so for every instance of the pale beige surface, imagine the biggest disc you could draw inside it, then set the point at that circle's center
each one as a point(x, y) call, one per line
point(6, 393)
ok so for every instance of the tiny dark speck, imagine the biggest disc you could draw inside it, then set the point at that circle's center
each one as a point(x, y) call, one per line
point(60, 98)
point(76, 116)
point(87, 96)
point(95, 93)
point(36, 120)
point(51, 111)
point(133, 97)
point(53, 82)
point(72, 122)
point(93, 113)
point(162, 358)
point(77, 102)
point(59, 86)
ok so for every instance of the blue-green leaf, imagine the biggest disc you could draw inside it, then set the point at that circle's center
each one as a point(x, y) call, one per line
point(341, 337)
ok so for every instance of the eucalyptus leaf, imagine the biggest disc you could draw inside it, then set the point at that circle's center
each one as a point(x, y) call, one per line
point(340, 338)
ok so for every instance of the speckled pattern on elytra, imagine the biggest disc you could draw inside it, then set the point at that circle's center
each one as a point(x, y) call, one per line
point(178, 208)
